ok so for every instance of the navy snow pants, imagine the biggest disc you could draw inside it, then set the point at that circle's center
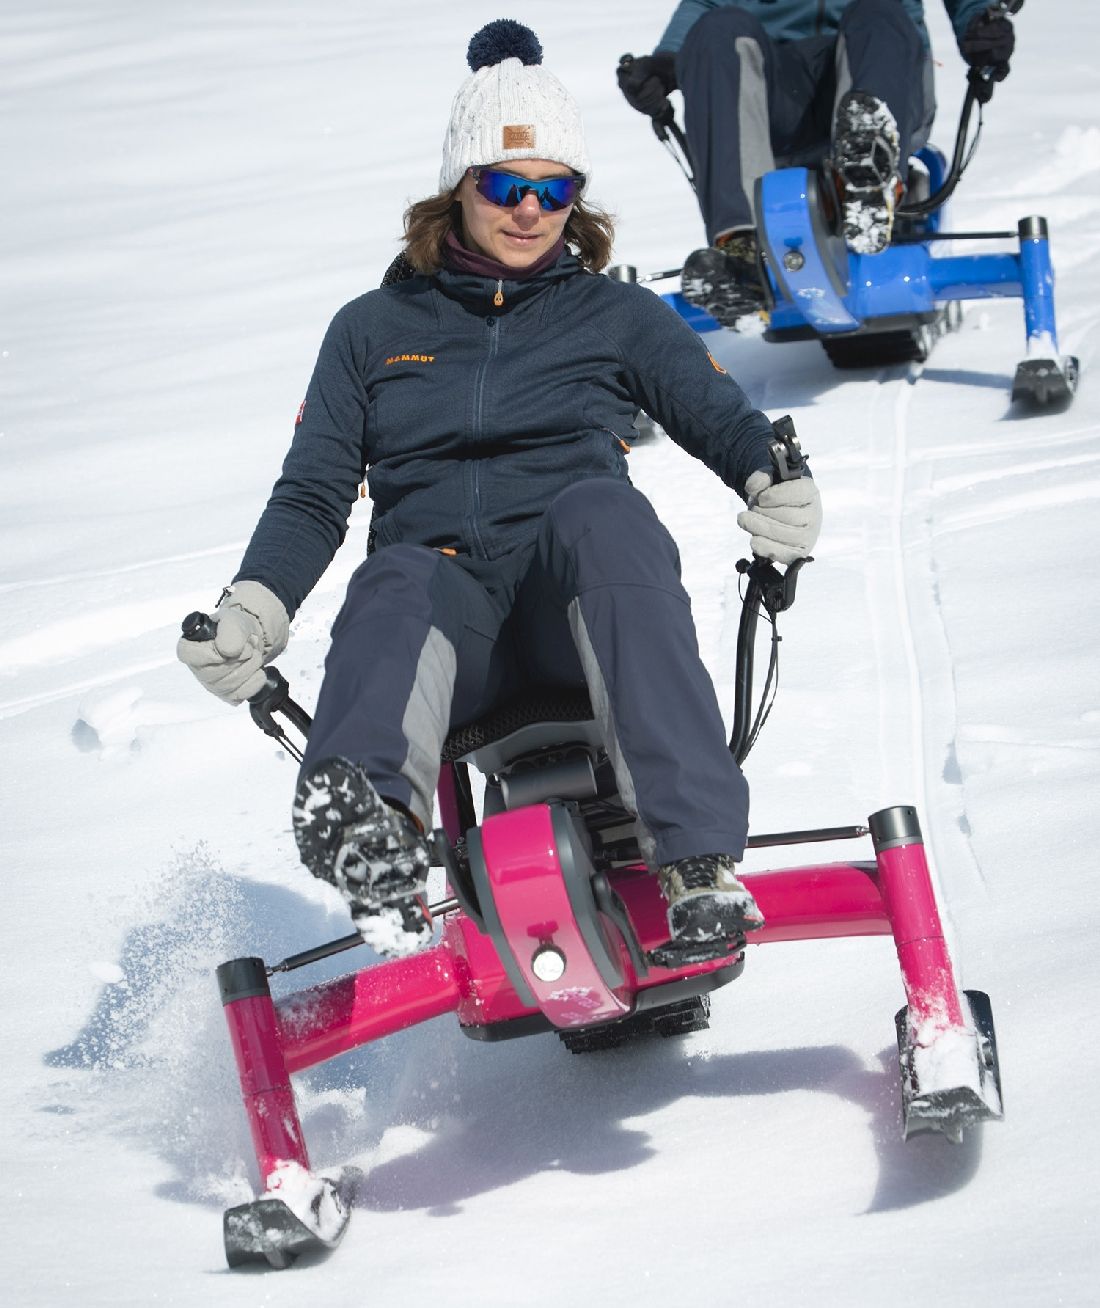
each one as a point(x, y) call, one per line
point(751, 103)
point(425, 642)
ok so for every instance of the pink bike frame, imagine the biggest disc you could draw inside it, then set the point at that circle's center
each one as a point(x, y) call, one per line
point(465, 974)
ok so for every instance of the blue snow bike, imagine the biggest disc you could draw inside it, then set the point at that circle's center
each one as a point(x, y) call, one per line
point(890, 307)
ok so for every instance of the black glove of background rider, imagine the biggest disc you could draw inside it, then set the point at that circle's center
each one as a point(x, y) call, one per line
point(647, 81)
point(988, 43)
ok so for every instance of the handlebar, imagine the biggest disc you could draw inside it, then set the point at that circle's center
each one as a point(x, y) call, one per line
point(767, 591)
point(273, 697)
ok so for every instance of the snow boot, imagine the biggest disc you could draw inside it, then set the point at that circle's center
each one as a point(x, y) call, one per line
point(705, 899)
point(866, 157)
point(373, 853)
point(724, 278)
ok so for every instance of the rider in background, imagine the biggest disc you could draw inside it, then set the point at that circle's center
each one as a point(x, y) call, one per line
point(778, 83)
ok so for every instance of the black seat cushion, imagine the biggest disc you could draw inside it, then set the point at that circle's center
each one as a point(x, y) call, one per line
point(546, 704)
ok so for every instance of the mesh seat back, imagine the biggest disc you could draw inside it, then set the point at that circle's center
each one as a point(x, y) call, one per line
point(548, 715)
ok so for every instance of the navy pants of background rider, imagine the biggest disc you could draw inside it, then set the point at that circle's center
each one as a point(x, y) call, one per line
point(425, 642)
point(751, 103)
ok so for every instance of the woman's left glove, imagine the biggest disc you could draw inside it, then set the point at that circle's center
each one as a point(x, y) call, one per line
point(783, 518)
point(253, 628)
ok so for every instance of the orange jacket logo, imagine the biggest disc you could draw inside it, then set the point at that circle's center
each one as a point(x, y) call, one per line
point(410, 358)
point(715, 364)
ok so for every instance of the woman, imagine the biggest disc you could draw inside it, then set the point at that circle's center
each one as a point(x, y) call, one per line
point(491, 395)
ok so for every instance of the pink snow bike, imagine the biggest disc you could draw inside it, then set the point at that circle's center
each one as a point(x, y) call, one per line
point(552, 923)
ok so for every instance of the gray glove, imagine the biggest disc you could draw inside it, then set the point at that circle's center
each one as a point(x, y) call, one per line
point(253, 627)
point(783, 518)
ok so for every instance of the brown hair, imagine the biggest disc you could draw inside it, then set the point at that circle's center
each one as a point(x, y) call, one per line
point(590, 231)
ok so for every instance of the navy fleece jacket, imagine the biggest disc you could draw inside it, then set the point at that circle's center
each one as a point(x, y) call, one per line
point(469, 416)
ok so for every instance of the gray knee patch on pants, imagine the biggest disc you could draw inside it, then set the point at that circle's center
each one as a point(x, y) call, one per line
point(753, 122)
point(601, 707)
point(426, 720)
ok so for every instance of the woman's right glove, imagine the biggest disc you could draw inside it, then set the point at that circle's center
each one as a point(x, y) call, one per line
point(988, 43)
point(253, 628)
point(646, 82)
point(783, 518)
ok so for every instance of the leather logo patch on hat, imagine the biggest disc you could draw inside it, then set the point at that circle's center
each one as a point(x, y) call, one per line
point(519, 136)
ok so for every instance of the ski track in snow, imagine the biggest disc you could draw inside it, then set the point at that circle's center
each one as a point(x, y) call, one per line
point(1013, 507)
point(106, 629)
point(907, 627)
point(15, 707)
point(96, 574)
point(967, 482)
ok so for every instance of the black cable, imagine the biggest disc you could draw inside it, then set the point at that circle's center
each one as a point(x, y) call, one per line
point(771, 686)
point(960, 161)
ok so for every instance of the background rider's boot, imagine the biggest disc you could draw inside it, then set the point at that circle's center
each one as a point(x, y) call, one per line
point(724, 278)
point(866, 161)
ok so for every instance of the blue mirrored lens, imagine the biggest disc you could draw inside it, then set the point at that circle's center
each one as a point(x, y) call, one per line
point(509, 189)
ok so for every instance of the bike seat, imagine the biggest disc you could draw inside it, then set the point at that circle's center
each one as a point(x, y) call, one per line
point(547, 717)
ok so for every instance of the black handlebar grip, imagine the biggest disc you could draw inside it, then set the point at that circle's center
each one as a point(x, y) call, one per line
point(199, 626)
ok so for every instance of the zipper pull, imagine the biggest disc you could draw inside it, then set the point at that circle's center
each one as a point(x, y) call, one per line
point(498, 298)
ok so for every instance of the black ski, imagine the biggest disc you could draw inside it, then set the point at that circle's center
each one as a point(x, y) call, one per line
point(265, 1230)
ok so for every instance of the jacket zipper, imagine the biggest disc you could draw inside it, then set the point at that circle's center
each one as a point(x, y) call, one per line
point(498, 298)
point(623, 445)
point(479, 392)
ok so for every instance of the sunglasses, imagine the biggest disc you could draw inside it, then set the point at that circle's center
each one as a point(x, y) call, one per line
point(507, 189)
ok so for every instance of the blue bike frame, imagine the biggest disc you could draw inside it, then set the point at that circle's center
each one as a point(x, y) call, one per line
point(820, 289)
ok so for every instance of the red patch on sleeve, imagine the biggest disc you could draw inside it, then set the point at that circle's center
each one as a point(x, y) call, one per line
point(301, 414)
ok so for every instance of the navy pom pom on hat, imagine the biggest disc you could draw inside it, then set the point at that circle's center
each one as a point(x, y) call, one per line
point(510, 107)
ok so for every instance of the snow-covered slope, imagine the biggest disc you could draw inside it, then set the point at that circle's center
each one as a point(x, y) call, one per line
point(190, 192)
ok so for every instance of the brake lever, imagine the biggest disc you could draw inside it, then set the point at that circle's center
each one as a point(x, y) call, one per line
point(788, 460)
point(777, 589)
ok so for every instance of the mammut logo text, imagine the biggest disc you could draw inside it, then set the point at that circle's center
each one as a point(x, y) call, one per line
point(410, 358)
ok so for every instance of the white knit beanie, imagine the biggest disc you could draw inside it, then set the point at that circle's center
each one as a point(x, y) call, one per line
point(511, 108)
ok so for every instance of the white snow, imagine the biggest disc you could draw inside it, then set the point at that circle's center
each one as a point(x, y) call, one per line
point(385, 932)
point(190, 192)
point(946, 1061)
